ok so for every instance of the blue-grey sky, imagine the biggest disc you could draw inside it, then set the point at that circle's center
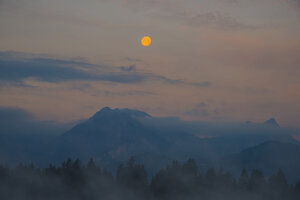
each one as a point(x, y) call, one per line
point(212, 60)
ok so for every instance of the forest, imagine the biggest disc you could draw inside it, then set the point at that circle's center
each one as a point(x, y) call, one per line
point(180, 180)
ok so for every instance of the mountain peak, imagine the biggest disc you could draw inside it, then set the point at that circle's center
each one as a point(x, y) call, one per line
point(106, 109)
point(272, 121)
point(107, 112)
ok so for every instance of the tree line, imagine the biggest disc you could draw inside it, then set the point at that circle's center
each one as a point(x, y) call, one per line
point(76, 181)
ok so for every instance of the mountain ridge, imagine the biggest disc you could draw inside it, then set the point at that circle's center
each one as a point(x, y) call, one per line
point(272, 121)
point(267, 157)
point(112, 136)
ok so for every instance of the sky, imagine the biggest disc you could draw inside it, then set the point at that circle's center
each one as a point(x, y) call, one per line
point(209, 60)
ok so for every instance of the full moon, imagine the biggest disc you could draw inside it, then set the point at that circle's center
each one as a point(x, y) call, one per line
point(146, 41)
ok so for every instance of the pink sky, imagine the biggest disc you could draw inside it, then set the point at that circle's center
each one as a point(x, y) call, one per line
point(209, 60)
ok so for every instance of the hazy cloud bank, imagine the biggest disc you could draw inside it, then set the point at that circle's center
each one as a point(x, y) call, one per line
point(17, 67)
point(18, 121)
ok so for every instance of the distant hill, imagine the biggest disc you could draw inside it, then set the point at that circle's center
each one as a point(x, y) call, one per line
point(272, 121)
point(268, 157)
point(118, 134)
point(112, 136)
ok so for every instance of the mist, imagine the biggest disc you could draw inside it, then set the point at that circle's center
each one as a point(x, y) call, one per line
point(180, 180)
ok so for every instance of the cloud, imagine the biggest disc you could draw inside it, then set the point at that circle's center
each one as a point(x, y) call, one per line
point(128, 93)
point(295, 2)
point(8, 114)
point(128, 69)
point(202, 104)
point(282, 2)
point(200, 109)
point(129, 59)
point(18, 121)
point(197, 112)
point(201, 84)
point(289, 2)
point(17, 67)
point(216, 129)
point(165, 5)
point(216, 20)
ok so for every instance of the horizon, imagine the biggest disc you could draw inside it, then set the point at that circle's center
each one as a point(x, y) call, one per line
point(213, 128)
point(33, 117)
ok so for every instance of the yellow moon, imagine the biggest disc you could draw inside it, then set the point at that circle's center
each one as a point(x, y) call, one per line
point(146, 41)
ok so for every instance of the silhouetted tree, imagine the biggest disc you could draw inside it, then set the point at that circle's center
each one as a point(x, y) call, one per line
point(244, 182)
point(4, 173)
point(257, 181)
point(210, 178)
point(132, 176)
point(74, 180)
point(190, 168)
point(224, 181)
point(297, 188)
point(278, 185)
point(91, 166)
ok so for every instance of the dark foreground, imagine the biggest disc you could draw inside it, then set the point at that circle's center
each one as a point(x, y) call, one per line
point(75, 181)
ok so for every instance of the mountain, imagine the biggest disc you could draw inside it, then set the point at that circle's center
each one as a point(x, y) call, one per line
point(267, 157)
point(113, 133)
point(117, 134)
point(272, 122)
point(112, 136)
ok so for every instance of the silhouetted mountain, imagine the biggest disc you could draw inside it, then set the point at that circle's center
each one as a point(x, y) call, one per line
point(117, 134)
point(268, 157)
point(272, 121)
point(112, 136)
point(114, 133)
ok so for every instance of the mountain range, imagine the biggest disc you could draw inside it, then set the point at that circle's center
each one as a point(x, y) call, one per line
point(112, 136)
point(268, 157)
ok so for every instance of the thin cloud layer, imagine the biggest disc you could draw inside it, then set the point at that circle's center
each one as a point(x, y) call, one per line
point(16, 68)
point(216, 20)
point(295, 2)
point(18, 121)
